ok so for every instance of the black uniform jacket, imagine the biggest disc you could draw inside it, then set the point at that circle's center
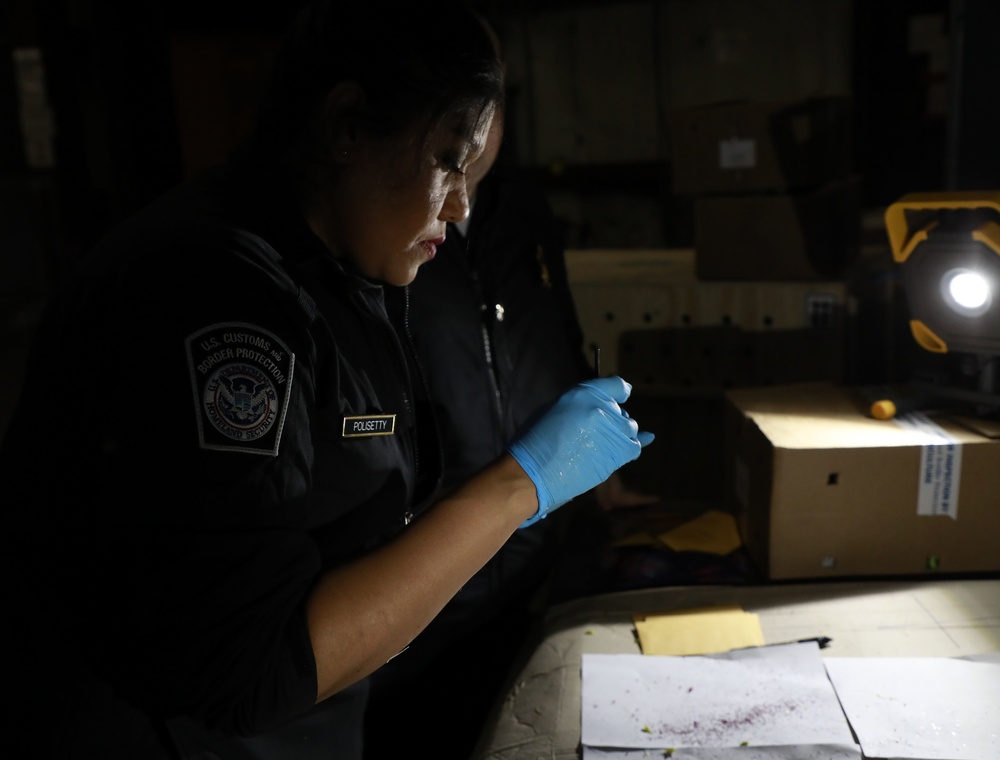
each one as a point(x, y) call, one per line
point(215, 410)
point(494, 323)
point(502, 297)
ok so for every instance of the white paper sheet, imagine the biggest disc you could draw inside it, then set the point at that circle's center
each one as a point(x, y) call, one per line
point(814, 752)
point(766, 696)
point(927, 708)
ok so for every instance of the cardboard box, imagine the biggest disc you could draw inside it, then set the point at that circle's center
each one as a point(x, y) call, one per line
point(757, 147)
point(716, 51)
point(791, 236)
point(729, 357)
point(590, 85)
point(824, 490)
point(617, 291)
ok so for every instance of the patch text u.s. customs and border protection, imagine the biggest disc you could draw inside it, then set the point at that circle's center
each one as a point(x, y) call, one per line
point(241, 375)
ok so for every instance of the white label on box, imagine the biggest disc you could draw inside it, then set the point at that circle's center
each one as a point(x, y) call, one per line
point(940, 468)
point(940, 476)
point(735, 153)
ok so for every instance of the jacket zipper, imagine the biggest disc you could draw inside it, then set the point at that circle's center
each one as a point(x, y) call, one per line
point(488, 349)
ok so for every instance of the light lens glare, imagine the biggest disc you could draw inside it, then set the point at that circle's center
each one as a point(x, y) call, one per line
point(969, 290)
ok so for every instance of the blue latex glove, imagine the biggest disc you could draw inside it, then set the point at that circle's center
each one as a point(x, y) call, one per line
point(578, 442)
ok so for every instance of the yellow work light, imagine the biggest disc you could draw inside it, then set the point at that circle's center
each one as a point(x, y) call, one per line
point(947, 250)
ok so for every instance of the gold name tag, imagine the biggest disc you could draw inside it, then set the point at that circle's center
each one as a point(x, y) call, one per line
point(369, 425)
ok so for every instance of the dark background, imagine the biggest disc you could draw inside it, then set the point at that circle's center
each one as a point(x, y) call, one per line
point(133, 97)
point(110, 82)
point(138, 96)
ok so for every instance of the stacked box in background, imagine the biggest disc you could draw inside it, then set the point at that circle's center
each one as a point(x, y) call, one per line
point(774, 194)
point(683, 342)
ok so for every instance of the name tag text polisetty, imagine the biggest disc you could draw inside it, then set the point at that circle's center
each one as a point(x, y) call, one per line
point(369, 425)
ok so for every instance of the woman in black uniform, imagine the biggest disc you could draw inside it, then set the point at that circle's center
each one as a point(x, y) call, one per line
point(215, 479)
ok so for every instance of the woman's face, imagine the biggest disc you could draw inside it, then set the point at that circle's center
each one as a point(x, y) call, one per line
point(395, 196)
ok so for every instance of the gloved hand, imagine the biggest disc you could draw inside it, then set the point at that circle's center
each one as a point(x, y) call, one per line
point(577, 443)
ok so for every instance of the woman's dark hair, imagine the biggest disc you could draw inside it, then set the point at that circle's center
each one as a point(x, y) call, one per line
point(415, 59)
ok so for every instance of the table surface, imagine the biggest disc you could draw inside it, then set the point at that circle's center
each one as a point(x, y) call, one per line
point(539, 716)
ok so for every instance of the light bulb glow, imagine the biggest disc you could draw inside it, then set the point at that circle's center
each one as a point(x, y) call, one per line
point(966, 291)
point(969, 290)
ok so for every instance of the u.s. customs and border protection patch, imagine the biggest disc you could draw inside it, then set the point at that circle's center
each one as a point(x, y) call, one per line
point(241, 375)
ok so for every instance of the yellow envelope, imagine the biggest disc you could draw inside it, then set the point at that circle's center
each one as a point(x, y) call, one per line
point(714, 532)
point(705, 630)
